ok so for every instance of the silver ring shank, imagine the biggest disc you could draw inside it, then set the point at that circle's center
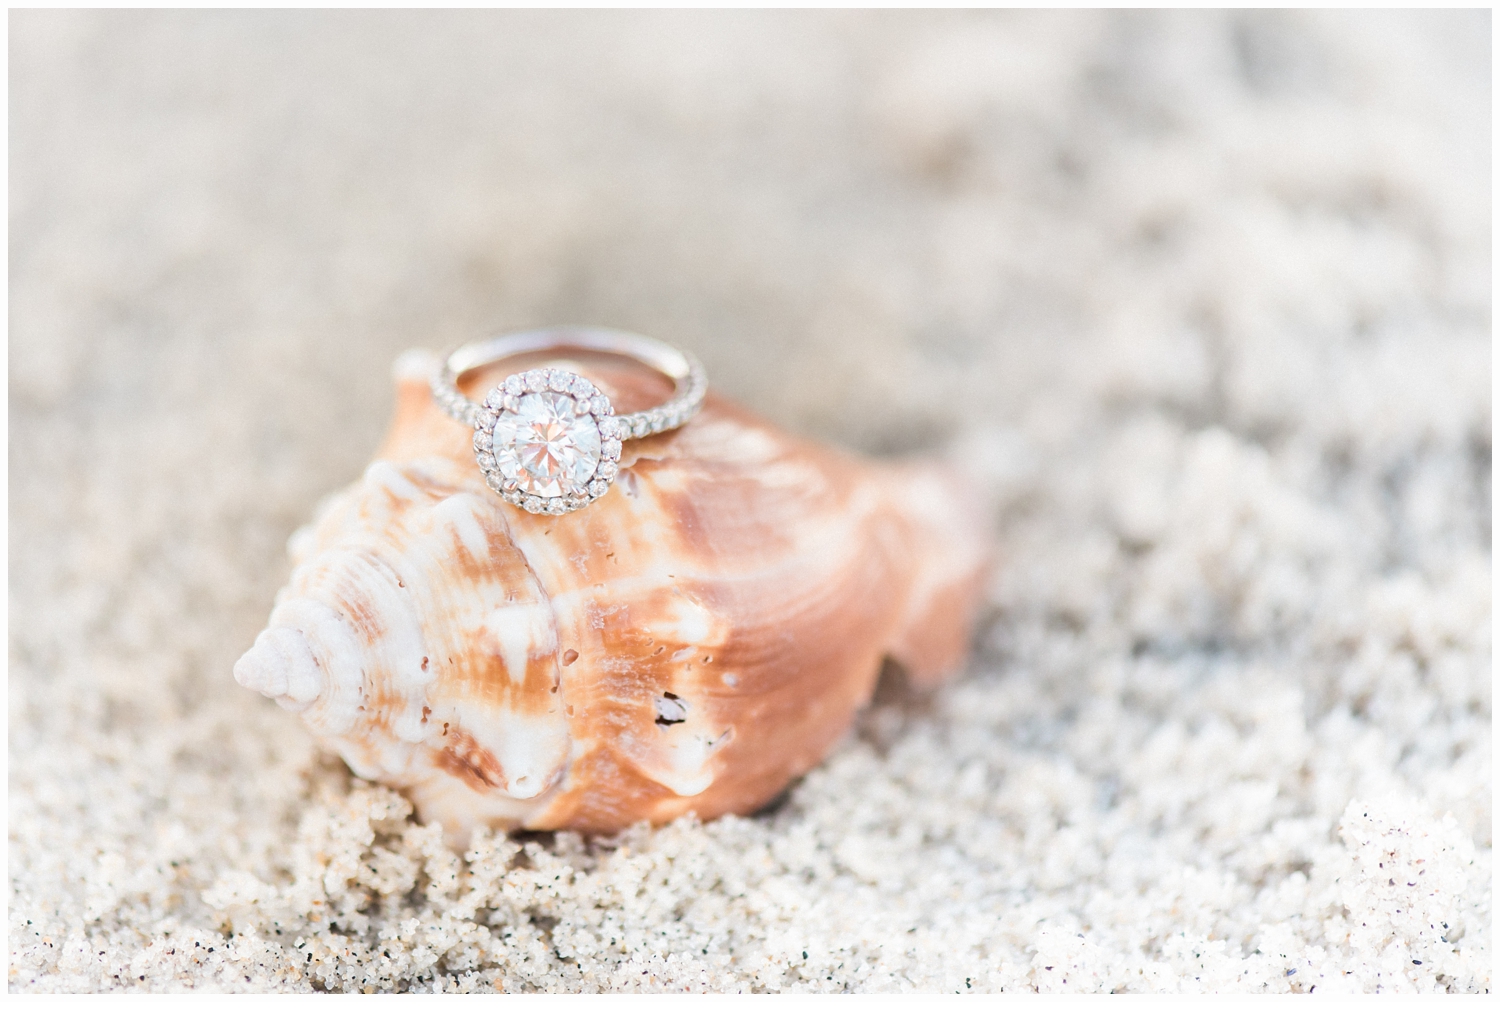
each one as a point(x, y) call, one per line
point(685, 371)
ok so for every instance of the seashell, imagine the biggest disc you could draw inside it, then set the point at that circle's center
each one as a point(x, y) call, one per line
point(693, 641)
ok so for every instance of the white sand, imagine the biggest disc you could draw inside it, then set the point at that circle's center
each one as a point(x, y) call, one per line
point(1217, 287)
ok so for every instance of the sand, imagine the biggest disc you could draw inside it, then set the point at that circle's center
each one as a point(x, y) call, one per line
point(1202, 301)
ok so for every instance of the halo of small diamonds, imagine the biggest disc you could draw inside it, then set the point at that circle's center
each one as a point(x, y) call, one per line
point(547, 441)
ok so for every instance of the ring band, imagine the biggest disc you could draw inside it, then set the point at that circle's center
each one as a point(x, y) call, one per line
point(548, 440)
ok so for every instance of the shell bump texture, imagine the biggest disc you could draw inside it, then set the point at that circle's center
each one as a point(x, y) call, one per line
point(693, 641)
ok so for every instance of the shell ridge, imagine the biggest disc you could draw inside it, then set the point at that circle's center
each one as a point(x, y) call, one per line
point(545, 605)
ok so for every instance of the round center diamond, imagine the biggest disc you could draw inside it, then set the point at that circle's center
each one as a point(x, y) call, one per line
point(546, 446)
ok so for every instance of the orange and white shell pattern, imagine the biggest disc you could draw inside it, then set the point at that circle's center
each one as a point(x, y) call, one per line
point(692, 641)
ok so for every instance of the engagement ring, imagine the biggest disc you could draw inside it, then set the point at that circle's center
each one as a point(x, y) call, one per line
point(548, 440)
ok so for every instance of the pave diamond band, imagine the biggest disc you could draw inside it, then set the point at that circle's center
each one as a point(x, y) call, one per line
point(548, 440)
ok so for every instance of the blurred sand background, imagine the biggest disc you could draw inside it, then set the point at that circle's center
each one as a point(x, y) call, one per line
point(1215, 288)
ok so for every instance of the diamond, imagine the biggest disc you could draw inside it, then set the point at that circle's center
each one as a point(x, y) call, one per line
point(601, 406)
point(581, 387)
point(610, 450)
point(531, 504)
point(535, 380)
point(546, 446)
point(559, 382)
point(597, 488)
point(608, 470)
point(609, 427)
point(515, 385)
point(494, 397)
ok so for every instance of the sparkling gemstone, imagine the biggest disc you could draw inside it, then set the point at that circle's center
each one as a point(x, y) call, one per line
point(608, 470)
point(515, 385)
point(597, 488)
point(611, 449)
point(536, 380)
point(546, 446)
point(601, 406)
point(608, 427)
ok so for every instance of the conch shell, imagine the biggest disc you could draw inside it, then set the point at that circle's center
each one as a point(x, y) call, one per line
point(692, 641)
